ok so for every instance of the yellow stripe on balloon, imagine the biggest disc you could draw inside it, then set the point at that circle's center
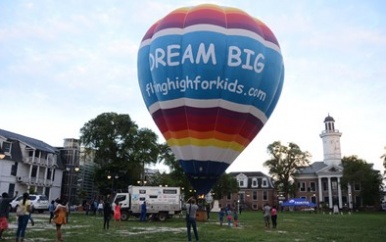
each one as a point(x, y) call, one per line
point(206, 142)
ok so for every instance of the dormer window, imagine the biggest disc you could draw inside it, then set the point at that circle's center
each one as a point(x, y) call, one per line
point(265, 182)
point(241, 183)
point(254, 182)
point(7, 148)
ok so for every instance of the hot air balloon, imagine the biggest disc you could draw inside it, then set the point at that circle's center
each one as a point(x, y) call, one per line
point(210, 77)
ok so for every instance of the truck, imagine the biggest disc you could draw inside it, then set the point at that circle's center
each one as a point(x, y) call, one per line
point(161, 202)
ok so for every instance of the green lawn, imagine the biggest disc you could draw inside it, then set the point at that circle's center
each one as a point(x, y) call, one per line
point(291, 227)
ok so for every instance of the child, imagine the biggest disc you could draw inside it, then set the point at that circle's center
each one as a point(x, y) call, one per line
point(221, 214)
point(229, 217)
point(51, 209)
point(274, 216)
point(117, 212)
point(235, 218)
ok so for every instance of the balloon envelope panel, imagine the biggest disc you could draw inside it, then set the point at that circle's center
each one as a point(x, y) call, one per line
point(210, 77)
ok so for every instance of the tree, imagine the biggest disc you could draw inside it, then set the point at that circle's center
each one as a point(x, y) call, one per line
point(285, 162)
point(358, 171)
point(226, 184)
point(384, 161)
point(120, 148)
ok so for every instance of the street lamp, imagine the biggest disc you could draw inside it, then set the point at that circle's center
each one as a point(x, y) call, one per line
point(110, 177)
point(142, 182)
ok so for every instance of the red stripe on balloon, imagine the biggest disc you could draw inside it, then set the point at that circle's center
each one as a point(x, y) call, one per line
point(208, 119)
point(229, 18)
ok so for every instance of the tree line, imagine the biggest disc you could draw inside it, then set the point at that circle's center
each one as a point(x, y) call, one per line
point(120, 148)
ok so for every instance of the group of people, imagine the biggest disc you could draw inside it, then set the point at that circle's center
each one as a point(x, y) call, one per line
point(270, 214)
point(231, 215)
point(24, 208)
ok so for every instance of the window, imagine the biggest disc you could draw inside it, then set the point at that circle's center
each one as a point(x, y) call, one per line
point(7, 147)
point(170, 191)
point(265, 195)
point(334, 185)
point(254, 183)
point(312, 186)
point(302, 187)
point(14, 169)
point(11, 189)
point(34, 171)
point(265, 183)
point(241, 183)
point(229, 197)
point(153, 196)
point(49, 171)
point(255, 206)
point(324, 186)
point(254, 195)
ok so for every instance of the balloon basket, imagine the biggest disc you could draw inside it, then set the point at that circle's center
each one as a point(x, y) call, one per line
point(201, 216)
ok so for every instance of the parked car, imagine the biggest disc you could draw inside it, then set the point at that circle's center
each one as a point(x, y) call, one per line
point(38, 202)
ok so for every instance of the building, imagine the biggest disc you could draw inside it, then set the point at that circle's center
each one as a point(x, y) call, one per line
point(320, 181)
point(29, 165)
point(255, 190)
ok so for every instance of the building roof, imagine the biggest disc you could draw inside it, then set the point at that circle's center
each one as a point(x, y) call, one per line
point(313, 168)
point(329, 119)
point(249, 173)
point(33, 143)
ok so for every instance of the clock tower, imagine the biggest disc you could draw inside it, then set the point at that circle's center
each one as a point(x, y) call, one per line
point(331, 142)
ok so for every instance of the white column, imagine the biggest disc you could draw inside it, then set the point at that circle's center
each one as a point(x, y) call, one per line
point(320, 189)
point(329, 193)
point(339, 194)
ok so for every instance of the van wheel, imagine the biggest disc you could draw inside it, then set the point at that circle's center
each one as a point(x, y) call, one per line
point(162, 216)
point(124, 216)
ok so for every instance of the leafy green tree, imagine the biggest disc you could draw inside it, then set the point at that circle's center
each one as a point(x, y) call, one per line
point(120, 148)
point(226, 184)
point(384, 162)
point(284, 163)
point(356, 170)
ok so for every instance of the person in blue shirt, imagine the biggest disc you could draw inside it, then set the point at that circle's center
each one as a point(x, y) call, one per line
point(51, 209)
point(143, 211)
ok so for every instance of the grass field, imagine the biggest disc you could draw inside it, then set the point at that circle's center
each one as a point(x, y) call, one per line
point(292, 226)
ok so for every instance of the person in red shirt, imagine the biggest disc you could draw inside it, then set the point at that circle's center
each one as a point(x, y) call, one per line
point(274, 216)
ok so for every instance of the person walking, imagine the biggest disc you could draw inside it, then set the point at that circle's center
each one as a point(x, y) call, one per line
point(5, 200)
point(60, 218)
point(51, 209)
point(143, 212)
point(24, 207)
point(274, 216)
point(267, 215)
point(117, 212)
point(191, 209)
point(107, 211)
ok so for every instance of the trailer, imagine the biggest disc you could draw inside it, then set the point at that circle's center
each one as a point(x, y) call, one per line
point(161, 202)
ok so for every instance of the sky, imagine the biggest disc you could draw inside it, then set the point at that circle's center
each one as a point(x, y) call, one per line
point(62, 63)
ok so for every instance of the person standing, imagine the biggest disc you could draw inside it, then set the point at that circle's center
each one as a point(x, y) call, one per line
point(100, 207)
point(23, 217)
point(117, 212)
point(221, 214)
point(235, 218)
point(107, 211)
point(51, 209)
point(60, 218)
point(229, 217)
point(267, 215)
point(274, 216)
point(5, 200)
point(191, 209)
point(143, 212)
